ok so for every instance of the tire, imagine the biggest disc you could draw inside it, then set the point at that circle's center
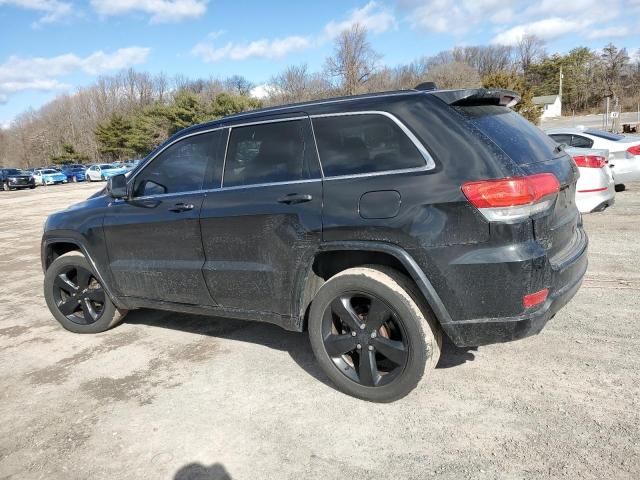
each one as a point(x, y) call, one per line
point(410, 324)
point(108, 316)
point(32, 187)
point(621, 187)
point(5, 187)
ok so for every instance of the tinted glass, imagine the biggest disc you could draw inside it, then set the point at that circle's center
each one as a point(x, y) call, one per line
point(352, 144)
point(561, 138)
point(581, 142)
point(270, 152)
point(13, 171)
point(179, 168)
point(522, 141)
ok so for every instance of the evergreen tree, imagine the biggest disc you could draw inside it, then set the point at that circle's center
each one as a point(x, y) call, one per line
point(68, 155)
point(113, 137)
point(510, 80)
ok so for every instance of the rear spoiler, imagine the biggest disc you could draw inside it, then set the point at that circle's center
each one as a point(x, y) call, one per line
point(478, 96)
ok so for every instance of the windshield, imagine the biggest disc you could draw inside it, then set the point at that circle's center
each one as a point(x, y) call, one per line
point(107, 167)
point(49, 171)
point(606, 135)
point(13, 171)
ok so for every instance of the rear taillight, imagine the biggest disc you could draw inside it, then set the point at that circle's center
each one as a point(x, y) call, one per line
point(534, 299)
point(516, 198)
point(635, 150)
point(590, 161)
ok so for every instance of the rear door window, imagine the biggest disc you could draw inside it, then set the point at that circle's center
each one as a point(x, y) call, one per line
point(363, 143)
point(522, 141)
point(272, 152)
point(561, 138)
point(581, 142)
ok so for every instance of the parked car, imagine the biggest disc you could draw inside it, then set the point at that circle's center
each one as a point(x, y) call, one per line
point(74, 173)
point(377, 223)
point(49, 176)
point(14, 178)
point(595, 189)
point(624, 150)
point(103, 171)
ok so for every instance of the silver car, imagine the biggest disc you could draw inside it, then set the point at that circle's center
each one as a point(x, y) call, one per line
point(595, 189)
point(624, 150)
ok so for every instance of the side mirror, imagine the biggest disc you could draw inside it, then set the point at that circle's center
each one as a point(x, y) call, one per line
point(117, 186)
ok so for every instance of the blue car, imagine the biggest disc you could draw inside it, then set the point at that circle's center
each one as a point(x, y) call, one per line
point(74, 173)
point(49, 176)
point(103, 171)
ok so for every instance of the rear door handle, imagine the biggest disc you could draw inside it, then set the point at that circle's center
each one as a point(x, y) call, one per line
point(294, 198)
point(181, 207)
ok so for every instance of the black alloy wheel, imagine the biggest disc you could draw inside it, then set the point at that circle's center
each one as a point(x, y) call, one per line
point(365, 339)
point(78, 295)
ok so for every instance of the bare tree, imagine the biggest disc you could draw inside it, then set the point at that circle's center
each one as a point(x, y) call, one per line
point(354, 61)
point(453, 75)
point(530, 49)
point(239, 85)
point(614, 63)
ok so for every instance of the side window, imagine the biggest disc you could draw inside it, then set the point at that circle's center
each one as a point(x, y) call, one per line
point(270, 152)
point(582, 142)
point(179, 168)
point(561, 138)
point(364, 143)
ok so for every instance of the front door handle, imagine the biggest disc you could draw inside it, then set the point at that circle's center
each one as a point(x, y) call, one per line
point(294, 198)
point(181, 207)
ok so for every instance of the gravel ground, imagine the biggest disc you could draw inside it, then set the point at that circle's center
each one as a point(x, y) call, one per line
point(178, 396)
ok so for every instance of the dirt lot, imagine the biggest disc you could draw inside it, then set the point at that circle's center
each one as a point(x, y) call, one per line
point(177, 396)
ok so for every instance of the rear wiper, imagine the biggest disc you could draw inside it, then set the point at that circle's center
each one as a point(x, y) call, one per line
point(559, 148)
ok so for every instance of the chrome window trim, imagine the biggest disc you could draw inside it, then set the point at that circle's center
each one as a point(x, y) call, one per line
point(380, 173)
point(430, 164)
point(260, 185)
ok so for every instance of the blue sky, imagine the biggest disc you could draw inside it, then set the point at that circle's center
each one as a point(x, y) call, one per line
point(49, 47)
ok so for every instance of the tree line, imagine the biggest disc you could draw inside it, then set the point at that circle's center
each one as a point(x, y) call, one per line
point(128, 114)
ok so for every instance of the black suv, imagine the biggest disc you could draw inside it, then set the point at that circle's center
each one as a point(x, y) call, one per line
point(378, 223)
point(13, 179)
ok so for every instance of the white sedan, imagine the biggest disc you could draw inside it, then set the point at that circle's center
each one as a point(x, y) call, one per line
point(595, 189)
point(624, 150)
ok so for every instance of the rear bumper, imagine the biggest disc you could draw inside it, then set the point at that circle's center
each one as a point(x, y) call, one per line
point(566, 281)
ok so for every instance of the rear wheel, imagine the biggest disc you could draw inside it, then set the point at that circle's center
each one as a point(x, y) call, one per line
point(76, 298)
point(5, 187)
point(371, 335)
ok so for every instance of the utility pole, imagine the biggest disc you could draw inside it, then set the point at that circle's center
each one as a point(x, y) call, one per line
point(560, 89)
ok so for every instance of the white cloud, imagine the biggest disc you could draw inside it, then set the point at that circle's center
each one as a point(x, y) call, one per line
point(262, 91)
point(160, 11)
point(52, 10)
point(264, 48)
point(39, 73)
point(372, 16)
point(547, 29)
point(609, 32)
point(445, 16)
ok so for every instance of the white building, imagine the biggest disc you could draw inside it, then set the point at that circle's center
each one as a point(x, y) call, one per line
point(551, 105)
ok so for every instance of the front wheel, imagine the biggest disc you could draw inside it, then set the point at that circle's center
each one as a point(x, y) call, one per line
point(76, 298)
point(371, 333)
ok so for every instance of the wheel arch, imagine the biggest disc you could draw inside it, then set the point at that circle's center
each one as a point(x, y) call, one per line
point(334, 257)
point(54, 247)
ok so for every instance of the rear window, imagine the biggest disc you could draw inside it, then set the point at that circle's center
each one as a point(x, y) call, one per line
point(363, 143)
point(522, 141)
